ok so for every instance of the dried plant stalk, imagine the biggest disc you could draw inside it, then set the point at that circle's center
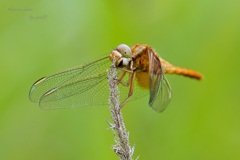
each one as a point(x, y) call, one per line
point(121, 137)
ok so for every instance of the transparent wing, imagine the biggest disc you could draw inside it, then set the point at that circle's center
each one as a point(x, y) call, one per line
point(92, 90)
point(160, 90)
point(80, 86)
point(162, 96)
point(40, 87)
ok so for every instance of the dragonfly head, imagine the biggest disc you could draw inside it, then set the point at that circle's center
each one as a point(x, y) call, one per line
point(122, 55)
point(124, 50)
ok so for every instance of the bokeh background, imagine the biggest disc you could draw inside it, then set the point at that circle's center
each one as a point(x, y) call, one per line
point(38, 38)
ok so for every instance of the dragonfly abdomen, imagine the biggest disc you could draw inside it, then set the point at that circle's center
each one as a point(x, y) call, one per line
point(183, 71)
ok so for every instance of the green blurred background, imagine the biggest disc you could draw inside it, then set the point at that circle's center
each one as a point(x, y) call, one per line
point(38, 38)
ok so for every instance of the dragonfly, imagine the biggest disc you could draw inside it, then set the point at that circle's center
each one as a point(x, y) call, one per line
point(140, 71)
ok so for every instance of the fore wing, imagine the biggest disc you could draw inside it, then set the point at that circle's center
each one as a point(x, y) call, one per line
point(45, 84)
point(160, 91)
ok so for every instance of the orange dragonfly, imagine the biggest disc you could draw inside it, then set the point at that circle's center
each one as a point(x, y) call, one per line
point(139, 70)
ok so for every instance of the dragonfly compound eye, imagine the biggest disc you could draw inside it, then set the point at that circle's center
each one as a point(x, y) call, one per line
point(124, 50)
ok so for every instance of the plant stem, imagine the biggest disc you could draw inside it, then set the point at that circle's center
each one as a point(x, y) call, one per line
point(121, 137)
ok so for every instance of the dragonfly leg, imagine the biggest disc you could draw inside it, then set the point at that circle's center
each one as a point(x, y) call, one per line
point(131, 84)
point(125, 70)
point(120, 79)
